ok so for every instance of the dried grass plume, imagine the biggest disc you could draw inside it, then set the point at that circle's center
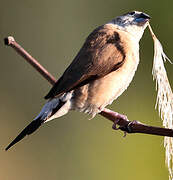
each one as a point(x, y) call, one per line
point(164, 100)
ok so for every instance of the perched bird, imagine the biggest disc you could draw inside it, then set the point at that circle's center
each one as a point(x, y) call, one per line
point(101, 71)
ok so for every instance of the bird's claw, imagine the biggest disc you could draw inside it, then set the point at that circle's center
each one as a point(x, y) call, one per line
point(114, 126)
point(126, 129)
point(125, 134)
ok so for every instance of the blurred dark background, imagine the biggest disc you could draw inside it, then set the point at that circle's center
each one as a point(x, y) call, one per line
point(72, 147)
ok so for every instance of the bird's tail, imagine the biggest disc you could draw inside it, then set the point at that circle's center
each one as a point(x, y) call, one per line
point(52, 109)
point(33, 126)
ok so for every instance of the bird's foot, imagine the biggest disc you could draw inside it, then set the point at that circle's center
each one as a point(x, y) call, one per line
point(116, 127)
point(118, 117)
point(126, 128)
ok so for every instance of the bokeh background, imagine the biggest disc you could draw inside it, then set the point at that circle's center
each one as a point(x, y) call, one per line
point(72, 147)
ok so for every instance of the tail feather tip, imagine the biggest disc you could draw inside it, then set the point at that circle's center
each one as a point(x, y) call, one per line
point(33, 126)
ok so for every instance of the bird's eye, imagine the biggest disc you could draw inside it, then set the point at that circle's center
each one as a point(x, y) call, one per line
point(132, 13)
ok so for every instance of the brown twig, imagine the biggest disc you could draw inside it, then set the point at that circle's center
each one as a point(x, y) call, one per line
point(119, 119)
point(11, 42)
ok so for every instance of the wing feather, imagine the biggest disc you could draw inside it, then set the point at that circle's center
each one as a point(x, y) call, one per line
point(101, 54)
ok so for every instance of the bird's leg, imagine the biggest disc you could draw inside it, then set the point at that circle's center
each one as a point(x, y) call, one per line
point(117, 118)
point(125, 128)
point(116, 121)
point(115, 125)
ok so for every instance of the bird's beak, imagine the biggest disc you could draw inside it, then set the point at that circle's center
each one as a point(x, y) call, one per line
point(142, 18)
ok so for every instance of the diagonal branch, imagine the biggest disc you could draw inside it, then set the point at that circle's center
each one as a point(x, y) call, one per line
point(11, 42)
point(118, 119)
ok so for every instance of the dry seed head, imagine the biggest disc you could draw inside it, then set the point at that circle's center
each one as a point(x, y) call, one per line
point(164, 100)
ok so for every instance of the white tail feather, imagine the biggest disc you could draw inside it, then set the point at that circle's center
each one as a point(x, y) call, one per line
point(47, 114)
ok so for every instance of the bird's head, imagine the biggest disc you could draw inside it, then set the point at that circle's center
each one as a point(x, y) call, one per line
point(133, 22)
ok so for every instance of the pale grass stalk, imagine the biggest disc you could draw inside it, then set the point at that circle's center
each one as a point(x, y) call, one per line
point(164, 100)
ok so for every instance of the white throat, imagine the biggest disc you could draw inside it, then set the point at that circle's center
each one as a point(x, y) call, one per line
point(135, 31)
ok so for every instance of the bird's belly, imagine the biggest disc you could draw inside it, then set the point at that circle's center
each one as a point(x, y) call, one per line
point(93, 97)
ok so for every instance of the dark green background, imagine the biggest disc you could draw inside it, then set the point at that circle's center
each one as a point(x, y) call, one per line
point(73, 148)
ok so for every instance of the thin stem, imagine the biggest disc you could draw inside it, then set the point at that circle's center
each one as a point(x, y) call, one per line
point(118, 119)
point(11, 42)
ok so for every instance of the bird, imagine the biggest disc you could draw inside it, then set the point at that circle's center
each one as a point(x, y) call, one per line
point(101, 71)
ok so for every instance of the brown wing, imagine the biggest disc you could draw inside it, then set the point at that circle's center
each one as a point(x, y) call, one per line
point(101, 54)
